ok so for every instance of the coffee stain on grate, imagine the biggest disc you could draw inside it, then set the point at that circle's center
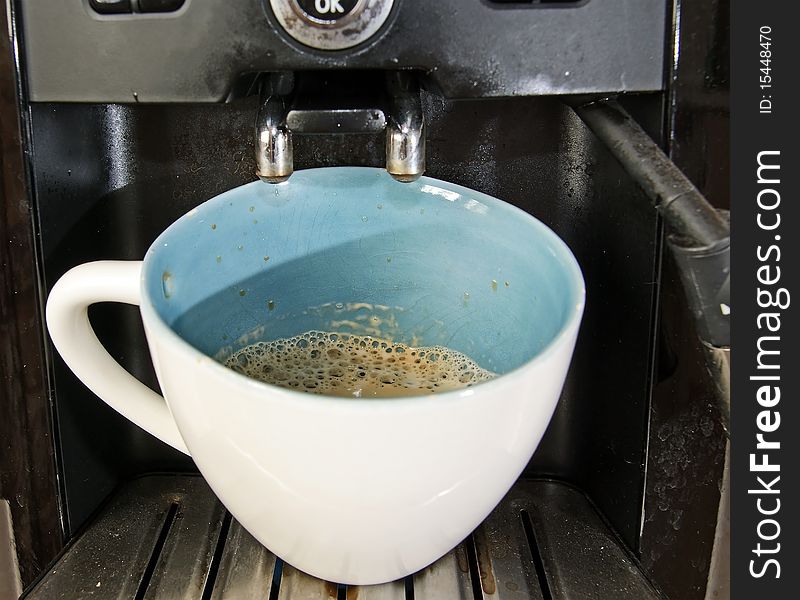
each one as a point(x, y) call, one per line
point(484, 561)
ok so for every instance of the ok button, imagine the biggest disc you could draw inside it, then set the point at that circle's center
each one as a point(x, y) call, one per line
point(327, 10)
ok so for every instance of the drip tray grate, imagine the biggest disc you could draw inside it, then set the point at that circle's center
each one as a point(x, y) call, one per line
point(167, 536)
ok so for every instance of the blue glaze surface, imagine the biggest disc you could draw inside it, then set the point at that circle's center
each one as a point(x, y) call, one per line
point(352, 250)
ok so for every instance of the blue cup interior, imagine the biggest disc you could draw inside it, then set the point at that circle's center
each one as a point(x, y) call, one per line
point(349, 249)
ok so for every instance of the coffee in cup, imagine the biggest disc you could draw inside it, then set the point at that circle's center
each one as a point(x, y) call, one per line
point(359, 366)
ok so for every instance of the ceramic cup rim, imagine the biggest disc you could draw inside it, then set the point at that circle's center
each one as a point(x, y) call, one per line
point(156, 325)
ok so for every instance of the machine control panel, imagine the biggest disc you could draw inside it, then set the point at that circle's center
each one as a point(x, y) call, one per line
point(331, 24)
point(208, 51)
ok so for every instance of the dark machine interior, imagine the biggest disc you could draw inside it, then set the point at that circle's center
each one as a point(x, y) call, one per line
point(636, 430)
point(536, 155)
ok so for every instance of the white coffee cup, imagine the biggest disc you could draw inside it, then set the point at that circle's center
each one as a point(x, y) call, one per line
point(355, 491)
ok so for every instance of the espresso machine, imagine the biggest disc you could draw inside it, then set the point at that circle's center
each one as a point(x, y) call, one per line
point(605, 119)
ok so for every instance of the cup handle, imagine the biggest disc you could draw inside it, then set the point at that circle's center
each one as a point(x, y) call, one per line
point(73, 336)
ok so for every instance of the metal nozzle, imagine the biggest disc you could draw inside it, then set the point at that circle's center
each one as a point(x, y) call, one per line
point(274, 156)
point(405, 130)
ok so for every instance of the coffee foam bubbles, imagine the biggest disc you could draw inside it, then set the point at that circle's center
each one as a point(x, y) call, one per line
point(348, 365)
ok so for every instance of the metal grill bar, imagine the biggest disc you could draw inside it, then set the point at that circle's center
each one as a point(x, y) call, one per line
point(296, 585)
point(545, 541)
point(185, 559)
point(390, 591)
point(246, 569)
point(448, 577)
point(504, 557)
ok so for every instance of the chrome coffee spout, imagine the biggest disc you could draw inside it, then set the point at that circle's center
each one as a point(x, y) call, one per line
point(274, 155)
point(405, 128)
point(284, 109)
